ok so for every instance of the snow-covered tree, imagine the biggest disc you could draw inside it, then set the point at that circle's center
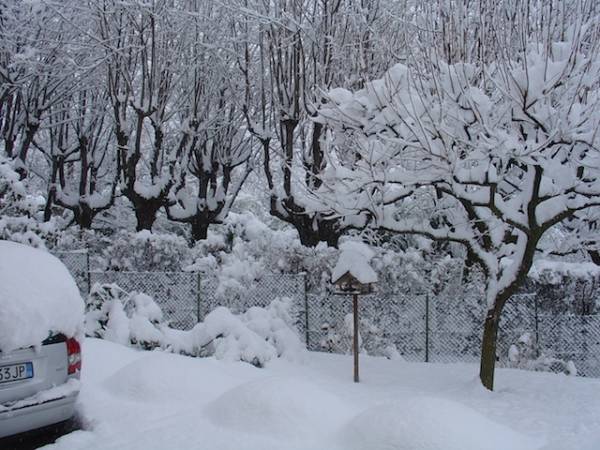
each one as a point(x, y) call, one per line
point(501, 149)
point(78, 147)
point(144, 45)
point(41, 63)
point(290, 52)
point(216, 155)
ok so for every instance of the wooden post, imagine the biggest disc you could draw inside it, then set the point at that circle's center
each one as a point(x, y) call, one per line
point(426, 327)
point(355, 337)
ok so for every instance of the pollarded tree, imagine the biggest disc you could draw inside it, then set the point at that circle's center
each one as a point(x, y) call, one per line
point(507, 145)
point(290, 51)
point(215, 150)
point(209, 185)
point(41, 64)
point(76, 139)
point(145, 45)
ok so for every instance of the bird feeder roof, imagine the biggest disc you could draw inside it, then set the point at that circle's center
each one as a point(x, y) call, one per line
point(354, 261)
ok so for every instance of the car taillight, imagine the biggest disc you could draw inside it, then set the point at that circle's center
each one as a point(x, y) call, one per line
point(74, 354)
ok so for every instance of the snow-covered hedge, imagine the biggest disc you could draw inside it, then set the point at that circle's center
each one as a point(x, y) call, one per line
point(19, 211)
point(371, 338)
point(122, 317)
point(146, 252)
point(256, 336)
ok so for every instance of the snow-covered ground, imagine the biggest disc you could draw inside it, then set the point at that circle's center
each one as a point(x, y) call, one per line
point(154, 400)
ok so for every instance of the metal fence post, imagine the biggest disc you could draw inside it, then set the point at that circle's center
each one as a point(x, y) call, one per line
point(537, 325)
point(427, 327)
point(198, 293)
point(88, 272)
point(307, 334)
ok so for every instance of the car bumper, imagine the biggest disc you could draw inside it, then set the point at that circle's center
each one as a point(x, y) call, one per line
point(38, 415)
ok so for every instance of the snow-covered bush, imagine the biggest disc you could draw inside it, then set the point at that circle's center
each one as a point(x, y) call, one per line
point(29, 231)
point(19, 211)
point(146, 252)
point(525, 354)
point(566, 287)
point(239, 252)
point(227, 336)
point(12, 190)
point(256, 336)
point(338, 337)
point(275, 324)
point(371, 338)
point(99, 306)
point(122, 317)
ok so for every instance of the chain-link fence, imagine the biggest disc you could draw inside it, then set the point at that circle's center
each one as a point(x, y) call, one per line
point(78, 263)
point(575, 338)
point(177, 293)
point(426, 326)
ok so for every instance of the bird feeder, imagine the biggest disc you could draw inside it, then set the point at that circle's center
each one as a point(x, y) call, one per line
point(354, 276)
point(348, 284)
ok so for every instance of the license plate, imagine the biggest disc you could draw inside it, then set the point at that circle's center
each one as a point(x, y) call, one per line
point(16, 372)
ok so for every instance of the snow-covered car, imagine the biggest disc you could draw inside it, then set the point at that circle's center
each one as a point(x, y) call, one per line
point(41, 316)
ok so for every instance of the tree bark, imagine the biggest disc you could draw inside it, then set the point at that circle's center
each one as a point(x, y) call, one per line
point(48, 205)
point(491, 326)
point(311, 238)
point(488, 349)
point(30, 132)
point(145, 213)
point(9, 147)
point(84, 217)
point(199, 230)
point(326, 231)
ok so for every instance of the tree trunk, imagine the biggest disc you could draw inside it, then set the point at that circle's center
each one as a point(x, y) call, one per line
point(49, 204)
point(145, 214)
point(308, 236)
point(9, 147)
point(84, 218)
point(199, 229)
point(30, 132)
point(327, 231)
point(488, 349)
point(492, 320)
point(51, 191)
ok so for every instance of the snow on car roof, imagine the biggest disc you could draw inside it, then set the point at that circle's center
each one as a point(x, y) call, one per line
point(37, 296)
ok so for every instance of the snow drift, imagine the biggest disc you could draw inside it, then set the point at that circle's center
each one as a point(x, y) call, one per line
point(429, 423)
point(279, 406)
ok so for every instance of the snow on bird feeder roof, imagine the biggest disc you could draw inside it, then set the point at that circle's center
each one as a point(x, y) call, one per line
point(353, 271)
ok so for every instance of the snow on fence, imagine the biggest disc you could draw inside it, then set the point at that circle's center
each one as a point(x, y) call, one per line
point(422, 326)
point(176, 293)
point(78, 263)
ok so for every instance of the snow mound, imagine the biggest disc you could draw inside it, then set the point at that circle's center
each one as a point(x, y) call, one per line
point(279, 406)
point(428, 423)
point(37, 295)
point(167, 378)
point(146, 380)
